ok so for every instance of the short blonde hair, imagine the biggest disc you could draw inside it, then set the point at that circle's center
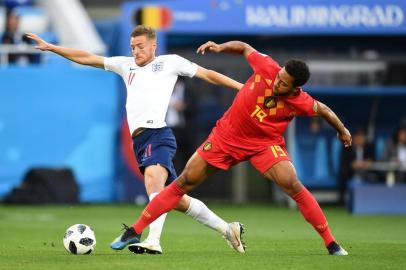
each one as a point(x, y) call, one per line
point(143, 30)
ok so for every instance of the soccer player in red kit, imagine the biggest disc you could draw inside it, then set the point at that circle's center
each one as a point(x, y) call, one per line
point(252, 129)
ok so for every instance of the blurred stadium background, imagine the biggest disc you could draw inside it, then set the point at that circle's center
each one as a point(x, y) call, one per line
point(55, 114)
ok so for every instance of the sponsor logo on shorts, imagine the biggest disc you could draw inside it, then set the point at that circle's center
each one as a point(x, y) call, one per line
point(207, 146)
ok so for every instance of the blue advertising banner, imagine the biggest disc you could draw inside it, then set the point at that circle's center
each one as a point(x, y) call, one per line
point(302, 17)
point(59, 117)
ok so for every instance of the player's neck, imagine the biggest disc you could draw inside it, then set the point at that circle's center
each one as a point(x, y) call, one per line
point(147, 62)
point(294, 92)
point(150, 60)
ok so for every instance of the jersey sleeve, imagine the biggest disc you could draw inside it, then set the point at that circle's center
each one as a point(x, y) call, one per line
point(305, 105)
point(184, 67)
point(114, 64)
point(262, 63)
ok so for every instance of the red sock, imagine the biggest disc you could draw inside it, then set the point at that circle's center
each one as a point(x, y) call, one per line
point(313, 214)
point(165, 201)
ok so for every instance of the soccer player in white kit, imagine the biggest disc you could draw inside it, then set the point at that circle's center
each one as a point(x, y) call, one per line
point(150, 81)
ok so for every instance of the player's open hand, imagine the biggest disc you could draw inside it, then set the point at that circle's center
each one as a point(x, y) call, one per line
point(209, 45)
point(41, 44)
point(345, 137)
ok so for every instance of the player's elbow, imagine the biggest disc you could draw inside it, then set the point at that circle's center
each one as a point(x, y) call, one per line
point(241, 46)
point(82, 60)
point(92, 61)
point(246, 46)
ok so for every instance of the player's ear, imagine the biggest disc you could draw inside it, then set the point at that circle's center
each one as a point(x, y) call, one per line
point(154, 45)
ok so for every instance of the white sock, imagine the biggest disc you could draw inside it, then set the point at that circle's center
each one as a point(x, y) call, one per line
point(201, 213)
point(155, 228)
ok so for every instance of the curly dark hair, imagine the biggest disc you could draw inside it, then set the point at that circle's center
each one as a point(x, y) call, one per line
point(298, 70)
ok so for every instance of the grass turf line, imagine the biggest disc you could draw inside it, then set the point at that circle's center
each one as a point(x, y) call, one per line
point(31, 238)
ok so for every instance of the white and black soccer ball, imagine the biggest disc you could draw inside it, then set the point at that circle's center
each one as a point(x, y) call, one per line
point(79, 239)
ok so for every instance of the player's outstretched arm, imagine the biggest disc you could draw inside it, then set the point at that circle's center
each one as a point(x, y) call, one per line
point(236, 47)
point(78, 56)
point(342, 132)
point(214, 77)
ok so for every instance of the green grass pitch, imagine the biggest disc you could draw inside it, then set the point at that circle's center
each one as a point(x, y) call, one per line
point(31, 238)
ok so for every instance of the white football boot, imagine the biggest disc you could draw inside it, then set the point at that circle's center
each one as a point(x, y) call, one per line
point(234, 236)
point(145, 247)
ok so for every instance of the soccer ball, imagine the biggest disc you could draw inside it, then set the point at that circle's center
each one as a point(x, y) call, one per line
point(79, 239)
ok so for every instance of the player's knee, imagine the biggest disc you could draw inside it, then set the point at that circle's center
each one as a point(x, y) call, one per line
point(150, 175)
point(291, 184)
point(153, 182)
point(153, 187)
point(186, 179)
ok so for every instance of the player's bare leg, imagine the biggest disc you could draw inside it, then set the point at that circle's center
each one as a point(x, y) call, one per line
point(283, 174)
point(190, 206)
point(155, 177)
point(195, 172)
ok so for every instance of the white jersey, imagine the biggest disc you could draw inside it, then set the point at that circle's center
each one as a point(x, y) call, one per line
point(149, 88)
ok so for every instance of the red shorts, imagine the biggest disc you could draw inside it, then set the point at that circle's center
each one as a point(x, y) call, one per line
point(223, 154)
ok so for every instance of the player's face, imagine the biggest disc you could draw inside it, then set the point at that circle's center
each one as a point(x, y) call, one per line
point(12, 23)
point(359, 139)
point(283, 85)
point(402, 136)
point(143, 49)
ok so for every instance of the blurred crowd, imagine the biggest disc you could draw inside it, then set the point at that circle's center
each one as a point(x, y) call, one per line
point(361, 162)
point(12, 35)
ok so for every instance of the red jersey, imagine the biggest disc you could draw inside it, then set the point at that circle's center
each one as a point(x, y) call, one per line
point(257, 117)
